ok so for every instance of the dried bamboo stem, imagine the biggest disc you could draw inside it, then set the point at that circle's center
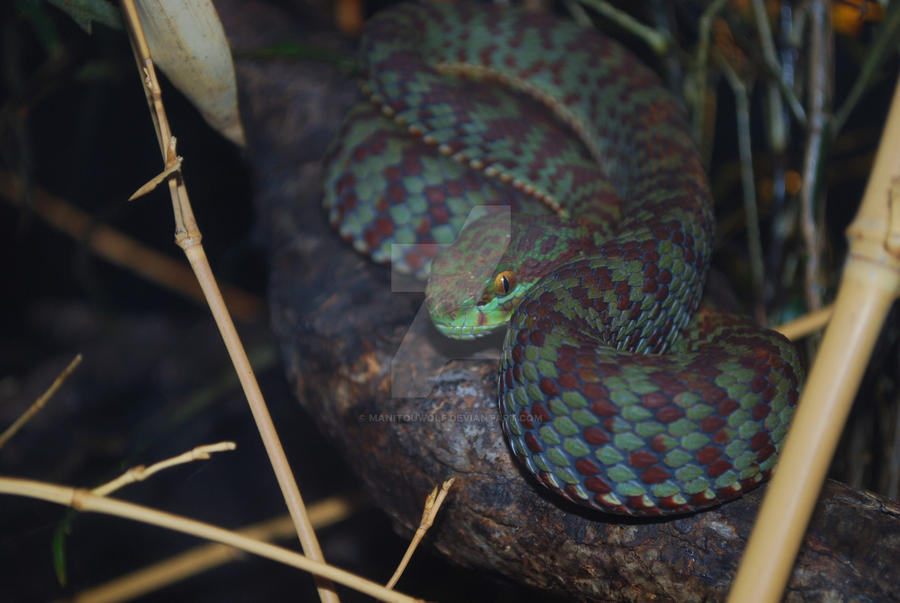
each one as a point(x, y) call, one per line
point(187, 236)
point(806, 324)
point(82, 500)
point(432, 506)
point(140, 473)
point(154, 577)
point(658, 41)
point(748, 187)
point(38, 404)
point(122, 250)
point(819, 100)
point(870, 284)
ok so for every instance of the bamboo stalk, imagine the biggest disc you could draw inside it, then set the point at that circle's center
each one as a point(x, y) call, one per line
point(870, 284)
point(806, 324)
point(159, 575)
point(82, 500)
point(38, 404)
point(188, 237)
point(113, 246)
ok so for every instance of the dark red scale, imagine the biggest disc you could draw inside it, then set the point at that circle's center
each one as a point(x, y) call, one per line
point(669, 414)
point(654, 400)
point(658, 444)
point(526, 420)
point(760, 441)
point(726, 407)
point(642, 459)
point(708, 454)
point(518, 354)
point(568, 381)
point(454, 188)
point(532, 442)
point(371, 237)
point(758, 384)
point(586, 466)
point(594, 391)
point(637, 503)
point(721, 437)
point(668, 503)
point(424, 227)
point(718, 467)
point(596, 484)
point(564, 362)
point(765, 452)
point(711, 423)
point(760, 411)
point(604, 408)
point(440, 214)
point(655, 475)
point(415, 259)
point(435, 195)
point(596, 436)
point(537, 336)
point(712, 395)
point(540, 413)
point(549, 387)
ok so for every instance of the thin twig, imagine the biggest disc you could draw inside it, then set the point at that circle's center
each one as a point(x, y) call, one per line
point(773, 65)
point(701, 61)
point(432, 506)
point(140, 473)
point(807, 324)
point(82, 500)
point(819, 99)
point(114, 246)
point(199, 559)
point(38, 404)
point(657, 41)
point(158, 179)
point(187, 236)
point(754, 244)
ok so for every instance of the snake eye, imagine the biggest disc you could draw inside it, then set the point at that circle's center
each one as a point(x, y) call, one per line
point(504, 282)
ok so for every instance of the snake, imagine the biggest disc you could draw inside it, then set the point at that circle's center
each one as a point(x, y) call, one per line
point(543, 180)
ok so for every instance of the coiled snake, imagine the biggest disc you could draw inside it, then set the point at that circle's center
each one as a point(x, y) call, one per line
point(614, 389)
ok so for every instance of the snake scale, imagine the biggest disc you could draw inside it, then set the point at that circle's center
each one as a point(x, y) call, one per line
point(616, 389)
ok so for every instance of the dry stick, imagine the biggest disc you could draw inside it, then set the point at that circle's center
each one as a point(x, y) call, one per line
point(819, 99)
point(113, 246)
point(187, 236)
point(773, 66)
point(806, 324)
point(140, 473)
point(870, 284)
point(701, 61)
point(658, 42)
point(322, 513)
point(432, 506)
point(82, 500)
point(38, 404)
point(751, 215)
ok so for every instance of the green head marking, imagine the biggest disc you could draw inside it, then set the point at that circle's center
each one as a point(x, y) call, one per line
point(476, 283)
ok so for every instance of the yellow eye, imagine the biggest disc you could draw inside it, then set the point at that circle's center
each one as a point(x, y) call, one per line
point(504, 282)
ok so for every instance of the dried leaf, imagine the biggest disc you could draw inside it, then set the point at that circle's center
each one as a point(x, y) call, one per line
point(188, 43)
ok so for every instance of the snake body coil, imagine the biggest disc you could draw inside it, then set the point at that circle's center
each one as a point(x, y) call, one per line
point(615, 390)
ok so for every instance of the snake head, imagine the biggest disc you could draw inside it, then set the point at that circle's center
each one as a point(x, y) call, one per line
point(476, 283)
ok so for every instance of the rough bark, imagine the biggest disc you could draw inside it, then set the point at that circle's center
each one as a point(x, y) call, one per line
point(340, 328)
